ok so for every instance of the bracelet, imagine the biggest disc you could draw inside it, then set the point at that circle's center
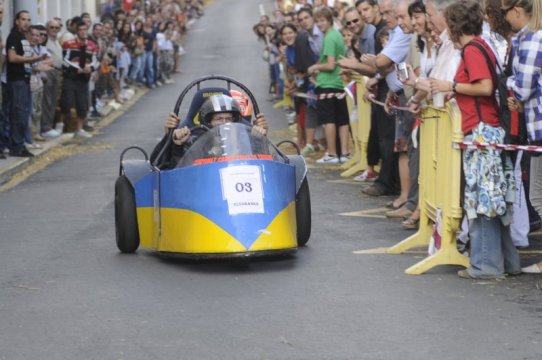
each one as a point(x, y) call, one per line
point(413, 100)
point(454, 86)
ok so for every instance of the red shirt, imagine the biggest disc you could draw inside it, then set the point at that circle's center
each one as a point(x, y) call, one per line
point(473, 67)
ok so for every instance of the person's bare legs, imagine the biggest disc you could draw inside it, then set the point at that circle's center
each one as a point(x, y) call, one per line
point(404, 176)
point(309, 135)
point(344, 136)
point(330, 131)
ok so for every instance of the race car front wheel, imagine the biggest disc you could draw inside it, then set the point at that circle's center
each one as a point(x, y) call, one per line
point(303, 213)
point(126, 216)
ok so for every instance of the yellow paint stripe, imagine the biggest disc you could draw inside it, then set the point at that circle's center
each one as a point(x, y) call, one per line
point(370, 213)
point(383, 250)
point(343, 181)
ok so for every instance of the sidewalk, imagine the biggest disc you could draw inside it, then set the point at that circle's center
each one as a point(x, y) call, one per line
point(14, 165)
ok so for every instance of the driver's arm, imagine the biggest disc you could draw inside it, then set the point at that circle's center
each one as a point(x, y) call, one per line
point(180, 136)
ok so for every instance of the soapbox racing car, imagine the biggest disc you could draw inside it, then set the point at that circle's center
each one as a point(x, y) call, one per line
point(232, 194)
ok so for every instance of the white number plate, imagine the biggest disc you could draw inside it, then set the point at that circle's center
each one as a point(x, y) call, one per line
point(242, 189)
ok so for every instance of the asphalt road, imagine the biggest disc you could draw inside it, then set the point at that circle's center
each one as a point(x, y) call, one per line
point(67, 293)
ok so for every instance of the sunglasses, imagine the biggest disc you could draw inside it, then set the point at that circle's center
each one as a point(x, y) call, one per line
point(54, 27)
point(355, 21)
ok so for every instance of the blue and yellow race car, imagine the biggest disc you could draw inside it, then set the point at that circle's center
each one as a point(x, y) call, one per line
point(233, 193)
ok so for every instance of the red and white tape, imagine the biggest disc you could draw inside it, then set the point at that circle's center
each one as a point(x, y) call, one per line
point(321, 96)
point(488, 146)
point(374, 101)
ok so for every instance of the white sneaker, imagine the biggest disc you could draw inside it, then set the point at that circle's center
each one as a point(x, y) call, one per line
point(59, 127)
point(345, 158)
point(328, 159)
point(82, 134)
point(51, 133)
point(33, 146)
point(307, 150)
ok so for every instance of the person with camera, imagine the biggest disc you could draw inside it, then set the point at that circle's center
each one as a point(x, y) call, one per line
point(19, 68)
point(405, 204)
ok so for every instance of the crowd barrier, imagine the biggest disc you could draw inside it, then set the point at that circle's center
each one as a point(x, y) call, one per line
point(360, 130)
point(439, 189)
point(439, 179)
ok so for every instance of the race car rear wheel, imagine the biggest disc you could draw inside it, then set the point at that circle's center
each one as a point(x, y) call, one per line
point(303, 213)
point(126, 216)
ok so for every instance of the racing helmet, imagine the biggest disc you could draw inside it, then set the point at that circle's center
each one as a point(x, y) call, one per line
point(244, 103)
point(218, 104)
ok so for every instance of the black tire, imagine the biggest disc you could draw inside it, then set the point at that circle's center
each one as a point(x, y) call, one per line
point(127, 232)
point(303, 213)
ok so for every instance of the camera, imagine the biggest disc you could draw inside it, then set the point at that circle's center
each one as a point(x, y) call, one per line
point(402, 71)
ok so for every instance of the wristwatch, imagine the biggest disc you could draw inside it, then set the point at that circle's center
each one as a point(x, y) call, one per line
point(454, 85)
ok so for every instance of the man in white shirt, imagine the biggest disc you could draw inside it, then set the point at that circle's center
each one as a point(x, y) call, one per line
point(52, 87)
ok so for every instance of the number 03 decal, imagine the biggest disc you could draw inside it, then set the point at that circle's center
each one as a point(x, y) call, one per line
point(242, 189)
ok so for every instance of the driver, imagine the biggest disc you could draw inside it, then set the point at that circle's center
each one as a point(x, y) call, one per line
point(215, 110)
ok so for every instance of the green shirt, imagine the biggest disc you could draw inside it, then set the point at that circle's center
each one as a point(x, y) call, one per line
point(333, 46)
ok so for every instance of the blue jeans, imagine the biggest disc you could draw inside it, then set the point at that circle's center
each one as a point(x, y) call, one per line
point(136, 72)
point(149, 67)
point(492, 251)
point(21, 108)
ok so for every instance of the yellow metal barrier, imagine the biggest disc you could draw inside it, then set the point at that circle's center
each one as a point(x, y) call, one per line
point(360, 131)
point(286, 101)
point(440, 188)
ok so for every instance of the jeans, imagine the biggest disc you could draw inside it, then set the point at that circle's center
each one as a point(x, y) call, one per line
point(137, 70)
point(535, 184)
point(148, 65)
point(21, 107)
point(492, 252)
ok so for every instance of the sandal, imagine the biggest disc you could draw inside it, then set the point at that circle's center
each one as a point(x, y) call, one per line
point(411, 224)
point(393, 207)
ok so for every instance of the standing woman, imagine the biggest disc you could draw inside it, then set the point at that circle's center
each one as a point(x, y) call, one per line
point(137, 51)
point(331, 104)
point(525, 16)
point(492, 252)
point(299, 57)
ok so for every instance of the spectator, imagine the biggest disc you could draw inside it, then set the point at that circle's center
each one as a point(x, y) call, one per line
point(365, 32)
point(165, 47)
point(4, 128)
point(369, 12)
point(272, 43)
point(38, 39)
point(315, 39)
point(306, 22)
point(123, 65)
point(492, 253)
point(331, 104)
point(19, 60)
point(71, 28)
point(51, 87)
point(138, 54)
point(149, 38)
point(299, 58)
point(524, 16)
point(80, 59)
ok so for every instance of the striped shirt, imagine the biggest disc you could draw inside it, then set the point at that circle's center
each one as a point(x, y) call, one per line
point(526, 81)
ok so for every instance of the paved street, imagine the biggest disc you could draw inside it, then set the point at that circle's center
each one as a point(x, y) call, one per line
point(67, 293)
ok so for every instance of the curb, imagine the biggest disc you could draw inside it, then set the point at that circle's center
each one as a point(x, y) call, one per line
point(14, 165)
